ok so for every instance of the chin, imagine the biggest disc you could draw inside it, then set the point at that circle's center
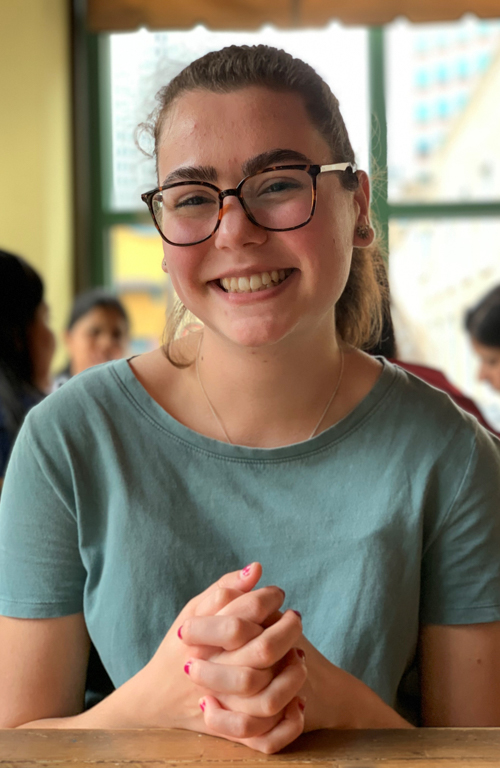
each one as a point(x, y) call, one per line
point(254, 338)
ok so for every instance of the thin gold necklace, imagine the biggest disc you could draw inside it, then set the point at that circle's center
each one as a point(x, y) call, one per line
point(219, 420)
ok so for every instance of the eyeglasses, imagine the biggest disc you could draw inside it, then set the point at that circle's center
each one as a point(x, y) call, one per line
point(279, 199)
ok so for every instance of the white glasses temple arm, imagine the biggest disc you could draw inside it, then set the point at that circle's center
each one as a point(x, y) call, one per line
point(338, 167)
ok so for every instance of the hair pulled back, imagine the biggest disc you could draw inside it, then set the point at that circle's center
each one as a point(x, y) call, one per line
point(483, 320)
point(359, 309)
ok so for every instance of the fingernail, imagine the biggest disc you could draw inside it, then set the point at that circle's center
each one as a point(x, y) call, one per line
point(179, 632)
point(300, 653)
point(282, 592)
point(302, 705)
point(202, 705)
point(298, 614)
point(187, 667)
point(246, 570)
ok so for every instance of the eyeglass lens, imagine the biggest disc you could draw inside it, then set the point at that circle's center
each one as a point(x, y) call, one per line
point(275, 199)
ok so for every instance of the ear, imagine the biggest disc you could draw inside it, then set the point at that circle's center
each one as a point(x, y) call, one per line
point(364, 233)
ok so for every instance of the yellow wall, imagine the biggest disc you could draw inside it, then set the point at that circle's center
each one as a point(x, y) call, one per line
point(35, 148)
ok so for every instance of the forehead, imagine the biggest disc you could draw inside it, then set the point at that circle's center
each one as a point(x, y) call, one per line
point(487, 353)
point(225, 130)
point(101, 314)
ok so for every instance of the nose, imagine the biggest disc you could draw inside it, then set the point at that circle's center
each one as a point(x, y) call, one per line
point(235, 228)
point(106, 343)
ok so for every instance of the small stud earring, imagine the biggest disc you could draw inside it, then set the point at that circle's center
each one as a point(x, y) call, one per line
point(363, 231)
point(164, 263)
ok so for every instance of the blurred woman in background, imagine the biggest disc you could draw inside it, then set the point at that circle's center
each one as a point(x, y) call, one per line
point(97, 331)
point(26, 347)
point(483, 325)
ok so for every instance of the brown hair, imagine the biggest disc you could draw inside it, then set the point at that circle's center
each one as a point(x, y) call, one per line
point(359, 309)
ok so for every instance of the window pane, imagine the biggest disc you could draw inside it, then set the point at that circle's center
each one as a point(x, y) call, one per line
point(138, 279)
point(443, 105)
point(438, 270)
point(142, 62)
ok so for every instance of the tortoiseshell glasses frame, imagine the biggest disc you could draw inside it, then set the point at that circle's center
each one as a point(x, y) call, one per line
point(312, 170)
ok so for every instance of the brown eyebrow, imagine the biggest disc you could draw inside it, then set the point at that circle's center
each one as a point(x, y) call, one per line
point(273, 157)
point(192, 173)
point(255, 164)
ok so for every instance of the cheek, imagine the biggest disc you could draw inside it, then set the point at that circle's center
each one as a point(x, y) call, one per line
point(183, 268)
point(82, 345)
point(328, 249)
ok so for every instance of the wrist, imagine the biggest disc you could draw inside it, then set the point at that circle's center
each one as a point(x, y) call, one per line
point(126, 707)
point(365, 709)
point(337, 699)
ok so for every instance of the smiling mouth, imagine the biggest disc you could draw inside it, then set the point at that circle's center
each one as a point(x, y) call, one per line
point(260, 281)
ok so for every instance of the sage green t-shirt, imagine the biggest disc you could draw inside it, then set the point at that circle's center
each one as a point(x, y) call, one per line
point(389, 518)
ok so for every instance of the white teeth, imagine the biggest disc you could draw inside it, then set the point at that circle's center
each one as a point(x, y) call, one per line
point(255, 282)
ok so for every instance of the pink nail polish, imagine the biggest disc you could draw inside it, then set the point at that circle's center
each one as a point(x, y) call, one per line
point(300, 653)
point(246, 570)
point(179, 632)
point(298, 614)
point(187, 667)
point(202, 705)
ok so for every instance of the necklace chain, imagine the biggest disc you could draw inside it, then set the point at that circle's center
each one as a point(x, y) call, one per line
point(219, 420)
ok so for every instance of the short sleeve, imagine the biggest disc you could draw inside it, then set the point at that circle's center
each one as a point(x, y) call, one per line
point(460, 581)
point(41, 572)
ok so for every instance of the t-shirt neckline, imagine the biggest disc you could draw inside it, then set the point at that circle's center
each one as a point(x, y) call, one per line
point(338, 431)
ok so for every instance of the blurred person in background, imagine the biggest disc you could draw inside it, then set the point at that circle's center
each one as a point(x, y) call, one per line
point(387, 347)
point(26, 348)
point(98, 331)
point(483, 325)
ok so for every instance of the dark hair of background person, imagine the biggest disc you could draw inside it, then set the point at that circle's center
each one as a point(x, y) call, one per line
point(97, 297)
point(21, 292)
point(483, 320)
point(359, 309)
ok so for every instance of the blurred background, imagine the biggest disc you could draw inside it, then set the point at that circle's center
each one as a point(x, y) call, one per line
point(420, 94)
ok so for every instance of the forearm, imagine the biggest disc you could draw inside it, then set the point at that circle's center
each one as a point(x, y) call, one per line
point(121, 709)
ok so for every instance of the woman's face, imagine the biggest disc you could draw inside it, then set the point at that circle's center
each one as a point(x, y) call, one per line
point(219, 137)
point(489, 367)
point(42, 345)
point(97, 337)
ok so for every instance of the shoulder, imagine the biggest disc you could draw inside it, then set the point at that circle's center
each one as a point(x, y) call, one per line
point(79, 404)
point(422, 421)
point(431, 403)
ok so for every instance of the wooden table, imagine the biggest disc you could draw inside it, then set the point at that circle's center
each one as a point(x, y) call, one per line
point(422, 748)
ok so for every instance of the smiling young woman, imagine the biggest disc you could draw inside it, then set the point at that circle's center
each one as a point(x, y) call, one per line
point(267, 437)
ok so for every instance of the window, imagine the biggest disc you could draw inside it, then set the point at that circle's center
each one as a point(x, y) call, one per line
point(439, 206)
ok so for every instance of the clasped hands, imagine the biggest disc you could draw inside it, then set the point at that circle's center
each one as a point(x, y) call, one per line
point(229, 666)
